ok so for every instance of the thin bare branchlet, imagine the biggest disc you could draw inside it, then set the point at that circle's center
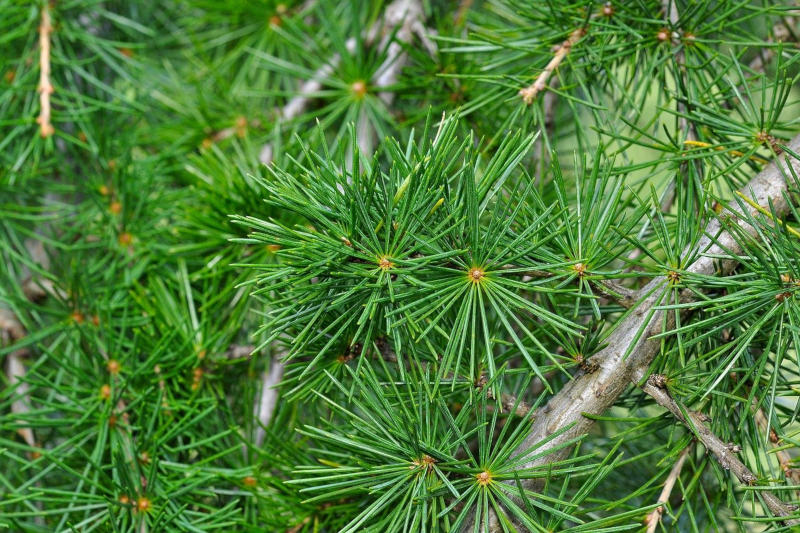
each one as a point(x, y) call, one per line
point(239, 351)
point(652, 520)
point(408, 17)
point(530, 92)
point(724, 453)
point(621, 294)
point(782, 32)
point(46, 128)
point(304, 96)
point(512, 404)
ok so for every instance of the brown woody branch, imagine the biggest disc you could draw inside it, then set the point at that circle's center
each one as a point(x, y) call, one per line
point(724, 453)
point(622, 295)
point(511, 404)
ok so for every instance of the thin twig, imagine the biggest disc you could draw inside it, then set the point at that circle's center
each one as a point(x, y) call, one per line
point(654, 517)
point(408, 17)
point(529, 93)
point(238, 129)
point(780, 33)
point(461, 13)
point(511, 404)
point(724, 453)
point(239, 351)
point(622, 295)
point(45, 86)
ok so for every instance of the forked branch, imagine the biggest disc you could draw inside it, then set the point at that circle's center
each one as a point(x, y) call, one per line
point(404, 15)
point(724, 453)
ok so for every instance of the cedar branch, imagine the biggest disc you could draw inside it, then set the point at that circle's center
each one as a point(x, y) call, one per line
point(268, 397)
point(724, 453)
point(630, 347)
point(406, 15)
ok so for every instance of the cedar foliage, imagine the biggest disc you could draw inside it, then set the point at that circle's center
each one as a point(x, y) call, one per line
point(399, 266)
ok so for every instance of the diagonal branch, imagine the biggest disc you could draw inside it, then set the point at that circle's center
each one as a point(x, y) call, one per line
point(407, 16)
point(300, 101)
point(630, 347)
point(724, 453)
point(529, 93)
